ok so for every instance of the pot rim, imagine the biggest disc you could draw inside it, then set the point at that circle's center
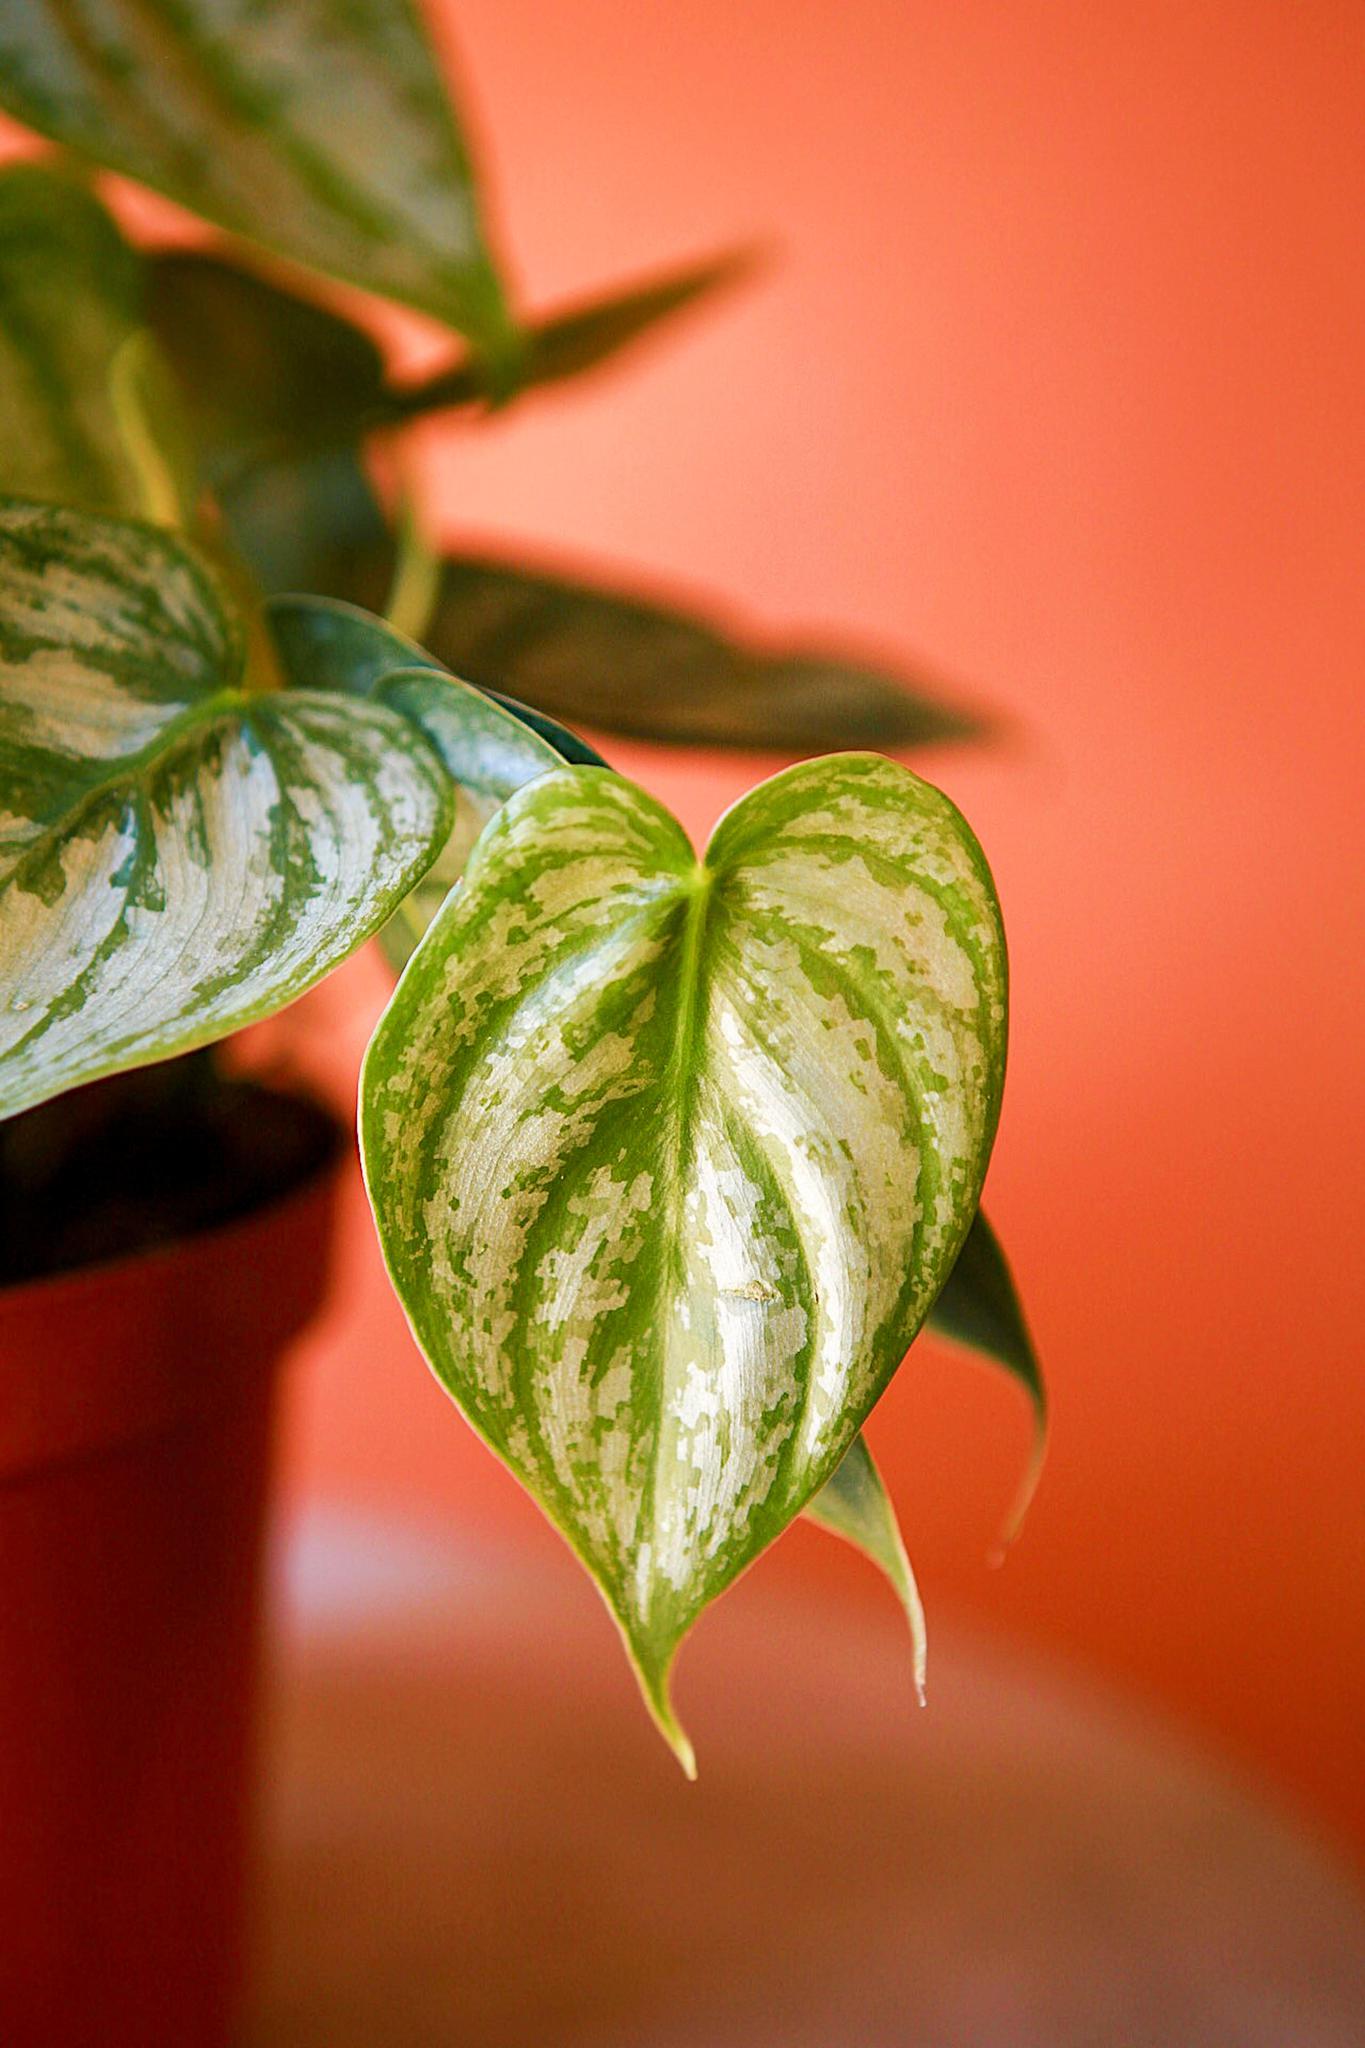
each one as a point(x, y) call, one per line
point(93, 1272)
point(108, 1353)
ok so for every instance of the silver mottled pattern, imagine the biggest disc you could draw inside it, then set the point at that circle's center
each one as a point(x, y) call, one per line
point(669, 1158)
point(178, 856)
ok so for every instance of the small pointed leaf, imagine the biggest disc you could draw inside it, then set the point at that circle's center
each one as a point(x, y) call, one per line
point(324, 643)
point(82, 417)
point(354, 650)
point(269, 372)
point(490, 744)
point(577, 340)
point(670, 1157)
point(853, 1503)
point(319, 129)
point(178, 855)
point(979, 1308)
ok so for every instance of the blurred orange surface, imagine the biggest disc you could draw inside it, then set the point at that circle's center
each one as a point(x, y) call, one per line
point(1054, 383)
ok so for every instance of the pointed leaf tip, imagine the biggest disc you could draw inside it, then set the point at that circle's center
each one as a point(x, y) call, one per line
point(854, 1504)
point(656, 1693)
point(979, 1309)
point(1033, 1473)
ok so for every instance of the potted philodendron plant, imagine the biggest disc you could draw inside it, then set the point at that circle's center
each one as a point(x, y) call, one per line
point(670, 1155)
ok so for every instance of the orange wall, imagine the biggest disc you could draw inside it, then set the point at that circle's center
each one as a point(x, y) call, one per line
point(1056, 382)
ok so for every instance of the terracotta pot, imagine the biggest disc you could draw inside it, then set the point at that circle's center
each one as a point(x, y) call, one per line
point(135, 1412)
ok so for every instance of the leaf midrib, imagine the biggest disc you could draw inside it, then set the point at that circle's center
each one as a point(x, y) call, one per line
point(679, 1086)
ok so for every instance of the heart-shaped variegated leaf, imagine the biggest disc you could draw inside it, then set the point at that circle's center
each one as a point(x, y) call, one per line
point(670, 1157)
point(178, 856)
point(489, 745)
point(87, 415)
point(317, 128)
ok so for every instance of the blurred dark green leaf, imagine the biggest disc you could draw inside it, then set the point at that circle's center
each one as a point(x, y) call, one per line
point(319, 129)
point(313, 523)
point(87, 416)
point(264, 370)
point(579, 340)
point(980, 1309)
point(268, 372)
point(604, 658)
point(581, 653)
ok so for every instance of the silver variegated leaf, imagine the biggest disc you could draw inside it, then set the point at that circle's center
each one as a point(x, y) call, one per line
point(670, 1157)
point(178, 855)
point(319, 129)
point(489, 746)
